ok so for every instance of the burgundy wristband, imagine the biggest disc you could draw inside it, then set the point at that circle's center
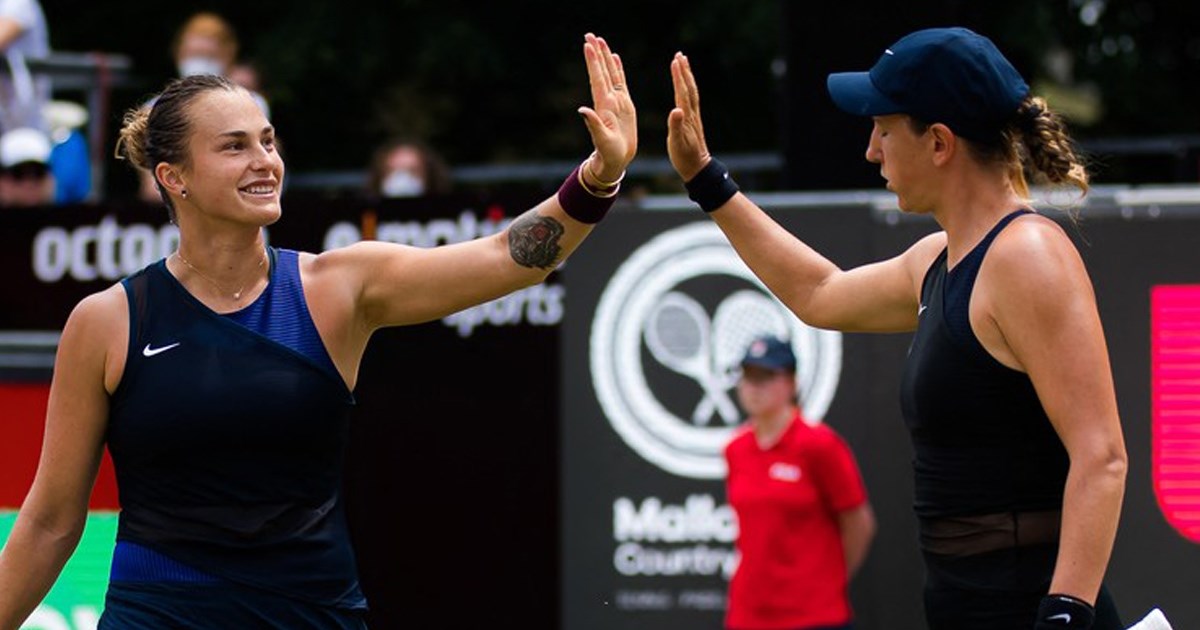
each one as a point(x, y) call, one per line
point(579, 204)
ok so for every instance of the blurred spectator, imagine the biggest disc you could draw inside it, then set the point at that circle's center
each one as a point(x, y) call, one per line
point(37, 170)
point(406, 167)
point(206, 44)
point(247, 74)
point(25, 177)
point(804, 521)
point(23, 35)
point(70, 159)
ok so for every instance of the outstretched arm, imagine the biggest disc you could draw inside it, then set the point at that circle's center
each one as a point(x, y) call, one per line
point(882, 296)
point(387, 284)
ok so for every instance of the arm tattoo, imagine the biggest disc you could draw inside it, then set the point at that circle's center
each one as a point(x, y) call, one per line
point(533, 240)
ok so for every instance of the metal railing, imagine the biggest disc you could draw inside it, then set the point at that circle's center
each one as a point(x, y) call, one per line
point(1183, 149)
point(545, 172)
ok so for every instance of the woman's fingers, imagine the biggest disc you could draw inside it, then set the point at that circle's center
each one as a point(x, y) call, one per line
point(597, 68)
point(612, 120)
point(685, 131)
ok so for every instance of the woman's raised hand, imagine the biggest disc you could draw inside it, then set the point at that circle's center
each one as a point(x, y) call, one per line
point(685, 130)
point(612, 119)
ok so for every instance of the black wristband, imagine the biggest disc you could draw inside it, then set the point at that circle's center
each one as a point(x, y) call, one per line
point(1058, 611)
point(712, 186)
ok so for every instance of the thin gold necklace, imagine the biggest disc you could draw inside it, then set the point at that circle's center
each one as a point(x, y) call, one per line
point(237, 295)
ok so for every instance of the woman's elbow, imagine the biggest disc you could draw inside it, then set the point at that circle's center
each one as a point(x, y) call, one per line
point(1110, 463)
point(1116, 464)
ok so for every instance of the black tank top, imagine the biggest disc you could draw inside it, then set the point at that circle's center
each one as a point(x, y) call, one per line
point(982, 442)
point(228, 449)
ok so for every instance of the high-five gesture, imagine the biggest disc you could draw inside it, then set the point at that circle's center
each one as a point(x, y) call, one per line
point(612, 120)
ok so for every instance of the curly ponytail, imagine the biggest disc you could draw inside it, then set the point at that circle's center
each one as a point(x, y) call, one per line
point(1049, 152)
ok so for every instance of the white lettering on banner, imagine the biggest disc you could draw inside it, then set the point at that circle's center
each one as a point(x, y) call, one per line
point(340, 235)
point(430, 234)
point(699, 519)
point(85, 617)
point(702, 600)
point(45, 617)
point(539, 305)
point(107, 250)
point(643, 600)
point(80, 269)
point(51, 254)
point(635, 559)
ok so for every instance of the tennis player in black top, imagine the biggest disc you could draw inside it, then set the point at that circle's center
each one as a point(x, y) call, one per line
point(221, 377)
point(1007, 392)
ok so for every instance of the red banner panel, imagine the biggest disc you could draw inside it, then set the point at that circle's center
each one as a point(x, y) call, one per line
point(1175, 404)
point(21, 426)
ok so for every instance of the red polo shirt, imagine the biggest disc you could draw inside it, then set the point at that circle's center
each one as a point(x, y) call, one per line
point(792, 571)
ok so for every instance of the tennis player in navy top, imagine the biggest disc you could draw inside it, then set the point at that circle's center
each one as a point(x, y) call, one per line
point(221, 377)
point(1019, 459)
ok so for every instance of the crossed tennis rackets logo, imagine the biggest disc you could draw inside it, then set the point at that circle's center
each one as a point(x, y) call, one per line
point(681, 337)
point(646, 320)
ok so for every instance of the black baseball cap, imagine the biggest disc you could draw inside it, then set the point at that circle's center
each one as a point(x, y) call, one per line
point(770, 352)
point(952, 76)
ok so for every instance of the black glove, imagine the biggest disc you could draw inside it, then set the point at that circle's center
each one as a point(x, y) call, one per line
point(1059, 611)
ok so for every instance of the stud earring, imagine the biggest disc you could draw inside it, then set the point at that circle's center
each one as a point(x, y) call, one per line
point(184, 193)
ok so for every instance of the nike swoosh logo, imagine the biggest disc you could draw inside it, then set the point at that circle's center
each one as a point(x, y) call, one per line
point(921, 309)
point(1066, 617)
point(149, 352)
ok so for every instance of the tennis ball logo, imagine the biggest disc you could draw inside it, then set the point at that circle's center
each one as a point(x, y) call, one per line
point(652, 318)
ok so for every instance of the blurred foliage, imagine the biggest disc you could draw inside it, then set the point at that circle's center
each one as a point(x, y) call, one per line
point(496, 82)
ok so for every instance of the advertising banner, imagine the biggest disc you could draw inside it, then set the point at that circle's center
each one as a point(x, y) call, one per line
point(659, 309)
point(660, 312)
point(556, 453)
point(454, 438)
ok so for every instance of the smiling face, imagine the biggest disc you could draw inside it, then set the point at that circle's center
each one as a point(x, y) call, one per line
point(235, 173)
point(903, 156)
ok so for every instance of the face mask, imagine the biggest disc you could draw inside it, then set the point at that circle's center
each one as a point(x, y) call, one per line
point(191, 66)
point(402, 184)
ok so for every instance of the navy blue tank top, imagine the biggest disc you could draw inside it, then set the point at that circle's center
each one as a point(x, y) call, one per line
point(227, 435)
point(982, 442)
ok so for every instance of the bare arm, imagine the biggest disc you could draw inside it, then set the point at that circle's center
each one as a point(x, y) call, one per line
point(1041, 301)
point(394, 285)
point(857, 526)
point(879, 297)
point(10, 30)
point(401, 284)
point(52, 517)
